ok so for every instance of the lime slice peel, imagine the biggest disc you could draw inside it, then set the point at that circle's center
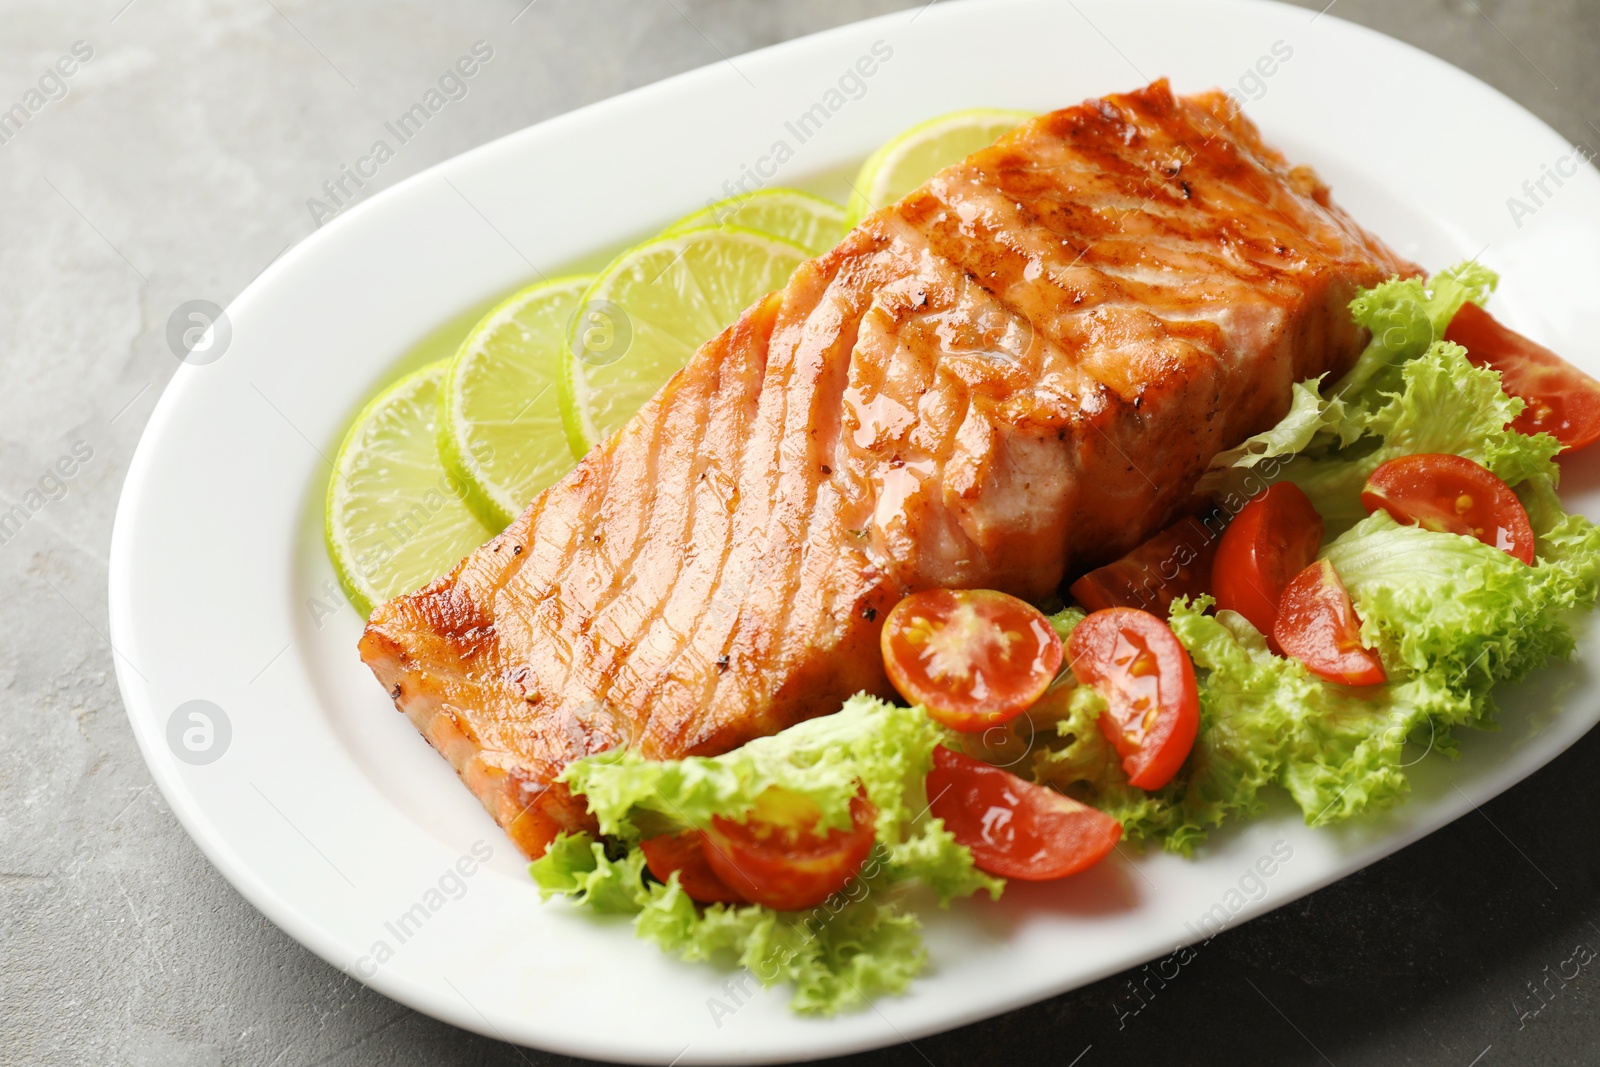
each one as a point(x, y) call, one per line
point(651, 308)
point(395, 519)
point(919, 153)
point(500, 427)
point(809, 221)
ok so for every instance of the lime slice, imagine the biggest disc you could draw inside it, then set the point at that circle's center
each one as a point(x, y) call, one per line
point(923, 151)
point(809, 221)
point(395, 519)
point(649, 310)
point(500, 428)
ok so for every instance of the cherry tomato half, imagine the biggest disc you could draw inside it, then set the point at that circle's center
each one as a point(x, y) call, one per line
point(1135, 660)
point(685, 854)
point(776, 857)
point(1454, 495)
point(1318, 625)
point(974, 658)
point(1272, 539)
point(1175, 562)
point(1014, 828)
point(1562, 400)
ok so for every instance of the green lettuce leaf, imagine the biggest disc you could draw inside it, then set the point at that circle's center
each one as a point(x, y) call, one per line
point(1267, 720)
point(1408, 392)
point(1445, 404)
point(1312, 420)
point(856, 945)
point(1466, 612)
point(837, 956)
point(870, 743)
point(1405, 317)
point(1264, 721)
point(576, 865)
point(1058, 743)
point(1450, 616)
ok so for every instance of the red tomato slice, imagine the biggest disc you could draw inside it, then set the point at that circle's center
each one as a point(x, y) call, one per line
point(1454, 495)
point(775, 856)
point(1135, 660)
point(1562, 400)
point(1014, 828)
point(685, 853)
point(1175, 562)
point(974, 658)
point(1318, 626)
point(1272, 539)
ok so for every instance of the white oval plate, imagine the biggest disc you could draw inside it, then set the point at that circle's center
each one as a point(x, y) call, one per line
point(329, 812)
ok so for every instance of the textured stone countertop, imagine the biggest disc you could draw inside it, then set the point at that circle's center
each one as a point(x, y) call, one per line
point(176, 167)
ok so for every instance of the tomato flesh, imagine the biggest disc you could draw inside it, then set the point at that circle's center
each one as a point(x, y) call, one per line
point(1175, 562)
point(776, 857)
point(1454, 495)
point(685, 854)
point(1318, 625)
point(1272, 539)
point(1147, 678)
point(975, 658)
point(1016, 829)
point(1561, 400)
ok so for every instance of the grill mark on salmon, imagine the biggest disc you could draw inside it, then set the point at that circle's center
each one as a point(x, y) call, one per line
point(1015, 373)
point(629, 606)
point(708, 527)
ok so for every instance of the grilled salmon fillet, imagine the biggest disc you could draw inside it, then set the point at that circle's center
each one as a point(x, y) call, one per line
point(1015, 373)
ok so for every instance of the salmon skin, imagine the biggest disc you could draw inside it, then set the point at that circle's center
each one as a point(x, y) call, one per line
point(1017, 372)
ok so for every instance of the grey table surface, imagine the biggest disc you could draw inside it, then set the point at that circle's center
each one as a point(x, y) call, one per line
point(177, 165)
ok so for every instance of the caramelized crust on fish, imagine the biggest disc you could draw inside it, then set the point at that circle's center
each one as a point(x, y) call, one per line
point(1017, 372)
